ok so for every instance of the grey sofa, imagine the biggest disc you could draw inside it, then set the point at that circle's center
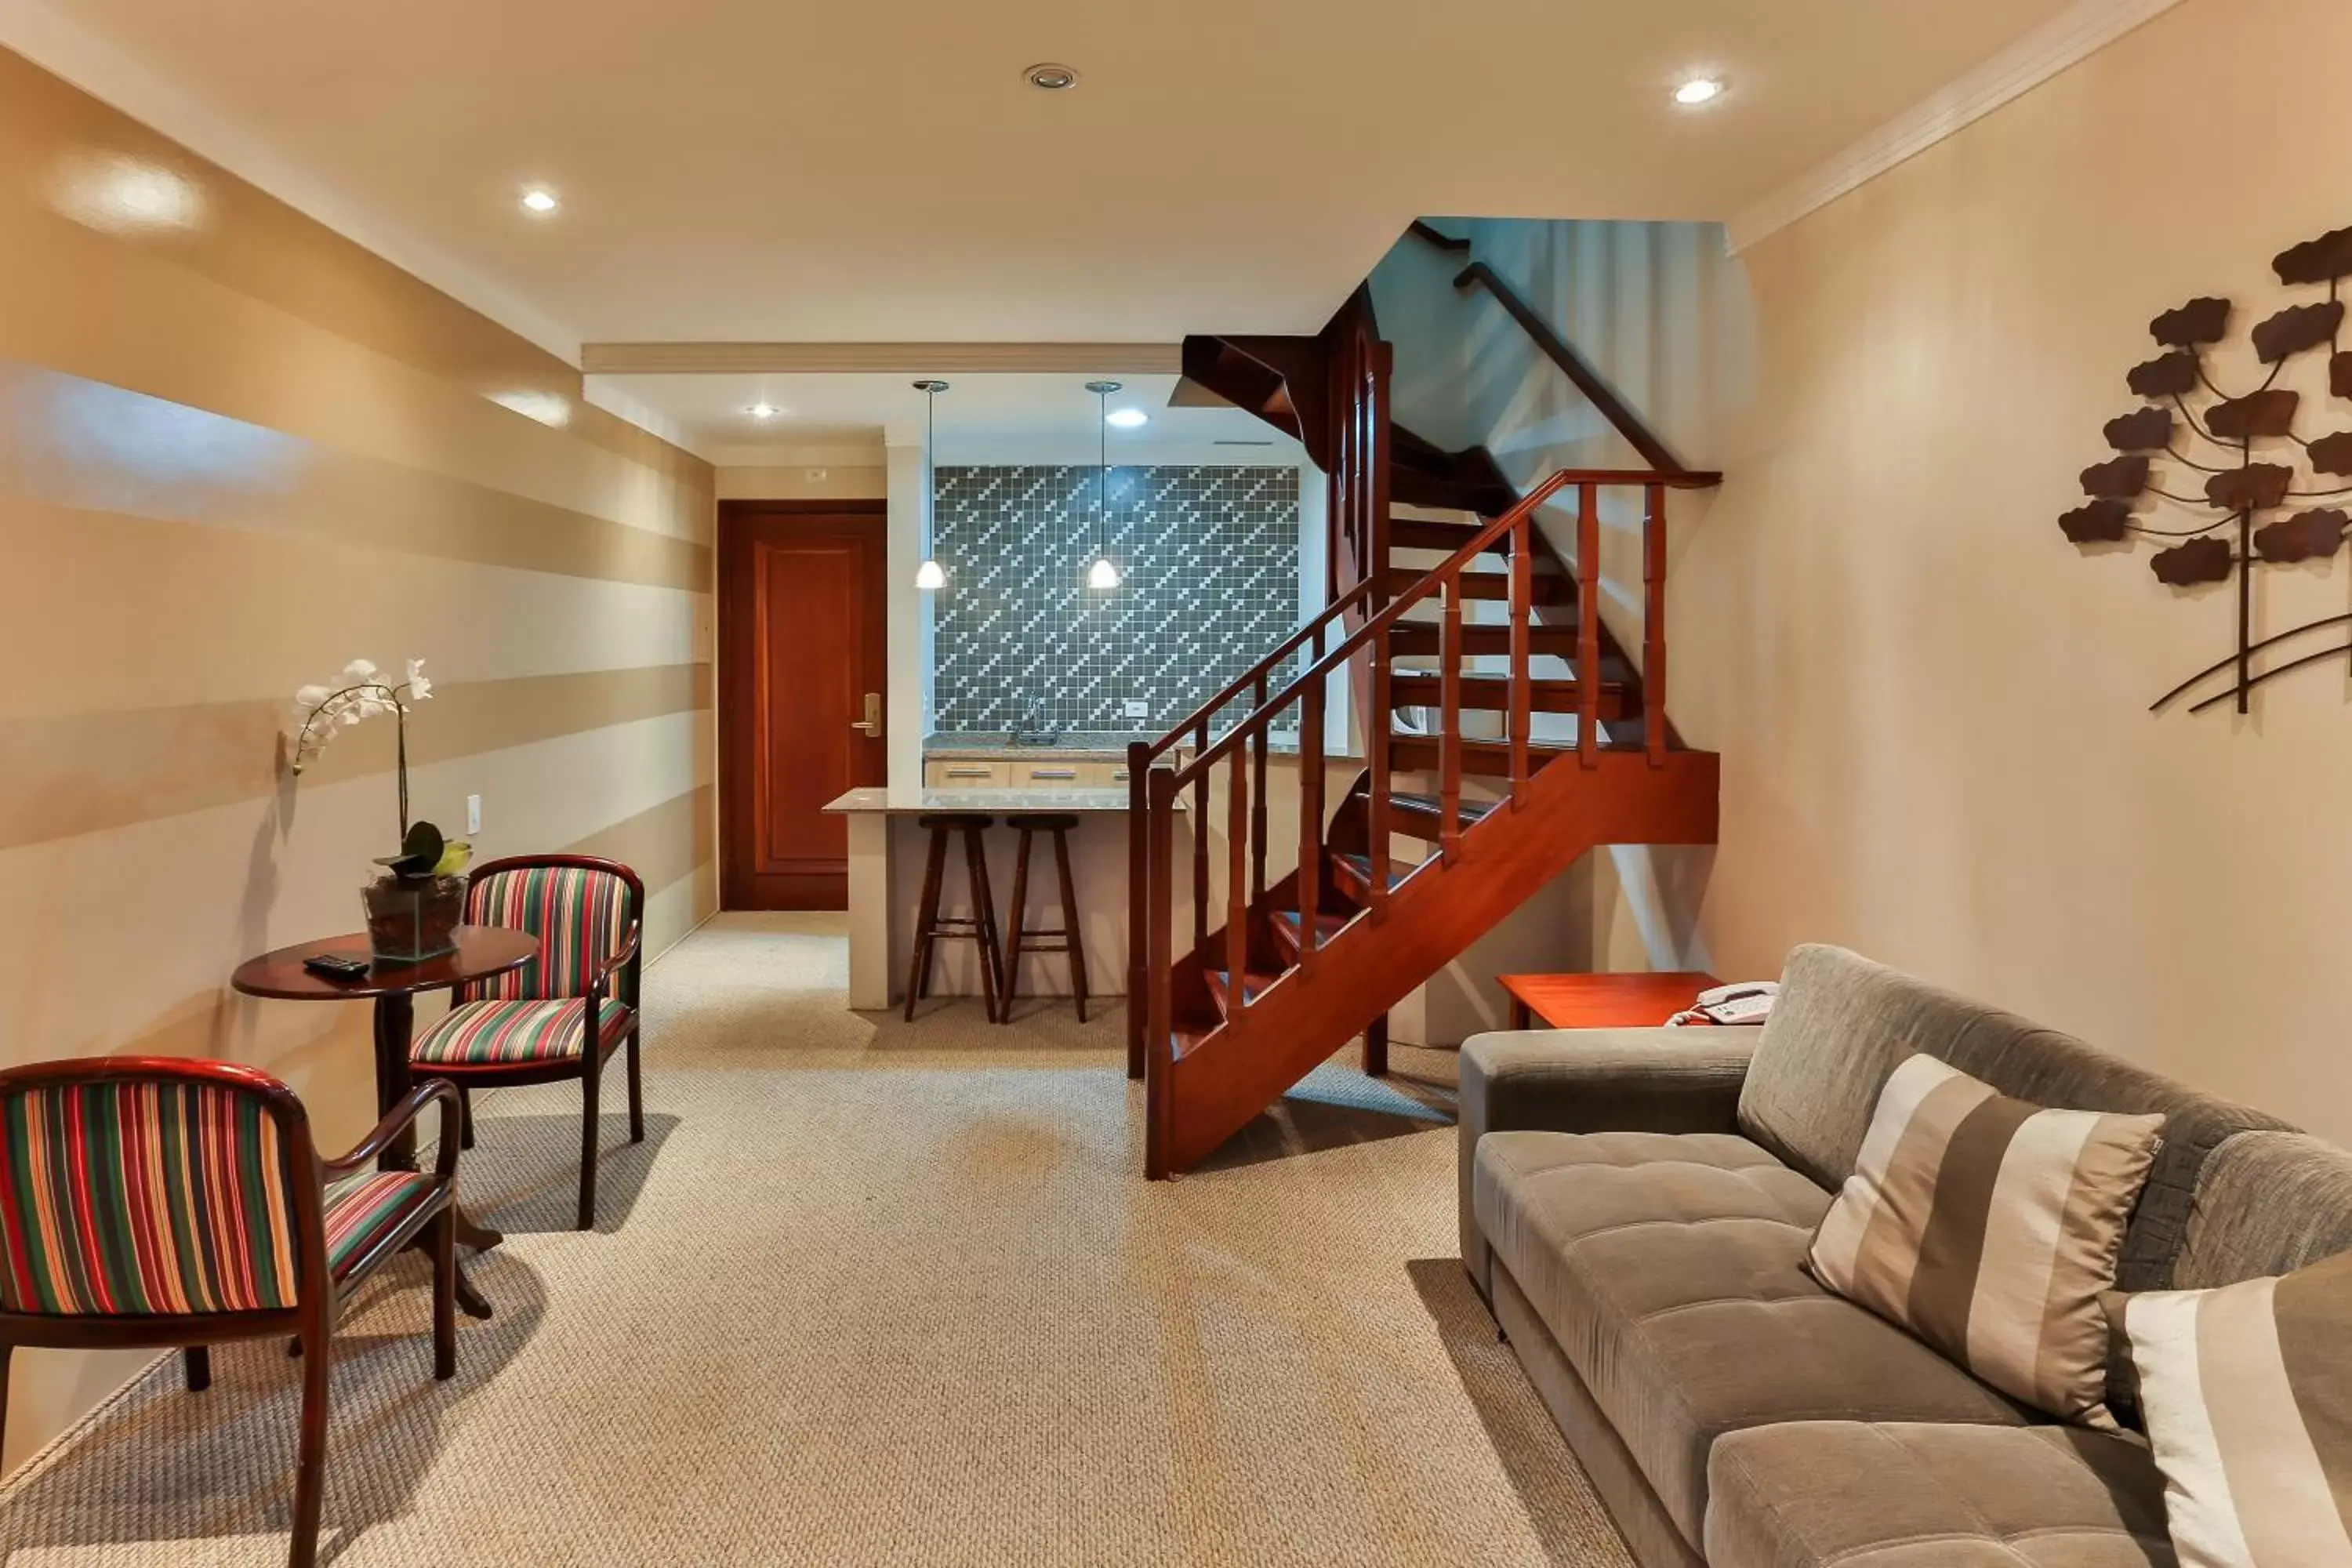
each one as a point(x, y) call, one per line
point(1635, 1207)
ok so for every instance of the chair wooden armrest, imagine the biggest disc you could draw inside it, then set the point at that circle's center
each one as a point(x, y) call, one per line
point(396, 1121)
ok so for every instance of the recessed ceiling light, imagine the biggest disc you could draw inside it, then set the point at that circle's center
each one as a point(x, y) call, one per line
point(1127, 418)
point(1699, 90)
point(539, 199)
point(1047, 77)
point(764, 411)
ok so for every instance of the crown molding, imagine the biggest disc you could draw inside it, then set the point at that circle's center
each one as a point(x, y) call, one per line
point(2074, 34)
point(897, 359)
point(833, 455)
point(42, 32)
point(621, 405)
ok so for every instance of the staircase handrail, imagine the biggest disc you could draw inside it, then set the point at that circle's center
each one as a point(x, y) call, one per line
point(1435, 578)
point(1194, 721)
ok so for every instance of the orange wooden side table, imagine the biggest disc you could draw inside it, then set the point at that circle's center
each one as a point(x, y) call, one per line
point(1602, 1001)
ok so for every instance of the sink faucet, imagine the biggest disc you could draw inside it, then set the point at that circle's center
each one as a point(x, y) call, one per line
point(1028, 730)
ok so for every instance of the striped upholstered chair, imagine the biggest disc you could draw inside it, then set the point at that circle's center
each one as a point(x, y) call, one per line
point(163, 1202)
point(563, 1014)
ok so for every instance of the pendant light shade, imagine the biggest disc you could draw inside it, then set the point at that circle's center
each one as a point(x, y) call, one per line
point(1102, 575)
point(929, 576)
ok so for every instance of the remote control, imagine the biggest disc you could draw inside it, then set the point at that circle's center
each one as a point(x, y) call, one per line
point(335, 966)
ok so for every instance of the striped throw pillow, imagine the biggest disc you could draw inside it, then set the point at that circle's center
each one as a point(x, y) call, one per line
point(1990, 1228)
point(2248, 1395)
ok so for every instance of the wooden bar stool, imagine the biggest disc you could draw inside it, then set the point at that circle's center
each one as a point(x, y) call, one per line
point(1059, 825)
point(979, 926)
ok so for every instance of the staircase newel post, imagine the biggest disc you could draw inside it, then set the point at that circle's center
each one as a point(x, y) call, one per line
point(1523, 614)
point(1653, 623)
point(1160, 1042)
point(1587, 624)
point(1139, 896)
point(1449, 717)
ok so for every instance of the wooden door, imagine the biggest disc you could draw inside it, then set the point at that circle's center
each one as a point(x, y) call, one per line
point(802, 653)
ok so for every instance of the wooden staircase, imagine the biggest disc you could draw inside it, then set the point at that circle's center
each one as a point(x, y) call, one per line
point(1240, 990)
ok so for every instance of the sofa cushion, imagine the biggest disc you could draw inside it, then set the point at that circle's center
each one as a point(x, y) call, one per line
point(1841, 1024)
point(2269, 1203)
point(1669, 1271)
point(1990, 1228)
point(1879, 1495)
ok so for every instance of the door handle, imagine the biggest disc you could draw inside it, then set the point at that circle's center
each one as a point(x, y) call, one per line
point(872, 723)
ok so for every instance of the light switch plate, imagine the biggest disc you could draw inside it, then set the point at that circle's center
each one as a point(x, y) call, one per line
point(473, 813)
point(1137, 708)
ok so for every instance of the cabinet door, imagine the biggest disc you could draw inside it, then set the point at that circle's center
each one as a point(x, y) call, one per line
point(958, 772)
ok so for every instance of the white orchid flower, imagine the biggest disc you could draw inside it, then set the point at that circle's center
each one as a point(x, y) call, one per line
point(418, 687)
point(308, 699)
point(358, 672)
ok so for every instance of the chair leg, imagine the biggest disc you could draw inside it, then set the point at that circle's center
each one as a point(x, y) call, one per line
point(589, 1087)
point(636, 1089)
point(983, 920)
point(1071, 933)
point(444, 1294)
point(1013, 931)
point(196, 1361)
point(7, 1355)
point(311, 1456)
point(464, 1117)
point(927, 915)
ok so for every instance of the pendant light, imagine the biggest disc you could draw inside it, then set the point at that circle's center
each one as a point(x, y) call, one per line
point(1102, 574)
point(929, 577)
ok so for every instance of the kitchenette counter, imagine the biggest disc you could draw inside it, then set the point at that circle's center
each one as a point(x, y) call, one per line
point(996, 746)
point(996, 802)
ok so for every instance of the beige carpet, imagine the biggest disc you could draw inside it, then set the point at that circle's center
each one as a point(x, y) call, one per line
point(880, 1293)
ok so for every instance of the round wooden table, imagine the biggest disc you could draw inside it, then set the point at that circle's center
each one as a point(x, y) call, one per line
point(481, 952)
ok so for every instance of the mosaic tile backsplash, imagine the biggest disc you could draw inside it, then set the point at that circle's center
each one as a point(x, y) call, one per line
point(1209, 580)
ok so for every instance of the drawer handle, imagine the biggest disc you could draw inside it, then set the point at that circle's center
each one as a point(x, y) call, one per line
point(1120, 777)
point(970, 773)
point(1053, 773)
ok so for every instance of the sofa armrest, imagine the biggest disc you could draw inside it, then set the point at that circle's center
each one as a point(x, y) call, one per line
point(1593, 1081)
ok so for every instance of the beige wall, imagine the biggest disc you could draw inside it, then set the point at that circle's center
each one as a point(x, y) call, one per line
point(1931, 707)
point(237, 451)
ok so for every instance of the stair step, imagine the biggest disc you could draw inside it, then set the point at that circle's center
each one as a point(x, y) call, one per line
point(1414, 487)
point(1353, 873)
point(1543, 587)
point(1415, 640)
point(1424, 816)
point(1492, 694)
point(1480, 759)
point(1285, 930)
point(1431, 534)
point(1221, 987)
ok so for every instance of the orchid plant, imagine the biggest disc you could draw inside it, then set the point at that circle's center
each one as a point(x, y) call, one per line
point(321, 711)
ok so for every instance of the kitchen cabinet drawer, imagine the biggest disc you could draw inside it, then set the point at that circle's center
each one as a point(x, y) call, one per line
point(1107, 776)
point(963, 772)
point(1047, 773)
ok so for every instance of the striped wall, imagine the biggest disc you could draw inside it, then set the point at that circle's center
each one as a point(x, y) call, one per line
point(236, 452)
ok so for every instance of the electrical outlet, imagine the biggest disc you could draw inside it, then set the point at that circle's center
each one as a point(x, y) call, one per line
point(1136, 708)
point(473, 813)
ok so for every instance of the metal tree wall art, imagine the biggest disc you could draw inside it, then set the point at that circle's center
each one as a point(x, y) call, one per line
point(2261, 488)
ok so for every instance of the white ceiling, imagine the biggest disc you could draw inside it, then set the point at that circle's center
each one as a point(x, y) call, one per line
point(982, 418)
point(745, 170)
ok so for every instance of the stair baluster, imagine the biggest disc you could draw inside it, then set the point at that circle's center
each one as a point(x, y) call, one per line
point(1587, 624)
point(1653, 623)
point(1449, 765)
point(1311, 813)
point(1237, 852)
point(1523, 616)
point(1259, 743)
point(1201, 838)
